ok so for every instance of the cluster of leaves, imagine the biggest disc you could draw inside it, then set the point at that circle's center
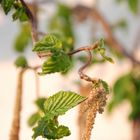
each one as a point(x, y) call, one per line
point(23, 38)
point(58, 60)
point(45, 119)
point(127, 88)
point(19, 10)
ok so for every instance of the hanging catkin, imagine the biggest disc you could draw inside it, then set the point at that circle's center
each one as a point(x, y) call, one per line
point(95, 103)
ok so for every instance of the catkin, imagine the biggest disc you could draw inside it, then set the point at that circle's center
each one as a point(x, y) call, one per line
point(95, 103)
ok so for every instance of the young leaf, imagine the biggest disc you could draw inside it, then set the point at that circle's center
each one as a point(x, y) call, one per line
point(62, 131)
point(20, 14)
point(62, 24)
point(123, 89)
point(105, 85)
point(22, 39)
point(7, 5)
point(48, 43)
point(50, 130)
point(21, 62)
point(59, 62)
point(40, 103)
point(102, 53)
point(33, 119)
point(133, 5)
point(61, 102)
point(39, 129)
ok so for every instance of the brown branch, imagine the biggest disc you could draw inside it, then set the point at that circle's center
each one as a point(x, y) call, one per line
point(15, 128)
point(33, 21)
point(88, 50)
point(83, 12)
point(81, 73)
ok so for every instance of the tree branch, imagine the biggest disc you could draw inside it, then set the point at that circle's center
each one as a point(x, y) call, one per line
point(15, 128)
point(32, 20)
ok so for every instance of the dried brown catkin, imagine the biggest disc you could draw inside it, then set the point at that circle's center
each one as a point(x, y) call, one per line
point(95, 103)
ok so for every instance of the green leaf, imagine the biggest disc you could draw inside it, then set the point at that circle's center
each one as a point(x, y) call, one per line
point(105, 85)
point(59, 62)
point(62, 131)
point(21, 62)
point(102, 53)
point(61, 24)
point(20, 14)
point(33, 119)
point(23, 38)
point(40, 103)
point(50, 130)
point(133, 5)
point(7, 5)
point(61, 102)
point(48, 43)
point(39, 129)
point(123, 89)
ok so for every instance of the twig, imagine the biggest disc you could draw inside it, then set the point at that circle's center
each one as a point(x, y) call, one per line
point(81, 73)
point(15, 128)
point(33, 21)
point(88, 50)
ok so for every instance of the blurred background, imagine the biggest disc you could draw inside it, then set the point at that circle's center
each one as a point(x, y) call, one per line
point(123, 19)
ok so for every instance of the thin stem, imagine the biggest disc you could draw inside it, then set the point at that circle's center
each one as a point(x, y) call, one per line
point(88, 50)
point(81, 73)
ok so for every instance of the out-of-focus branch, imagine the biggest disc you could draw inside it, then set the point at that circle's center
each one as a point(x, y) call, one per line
point(136, 42)
point(33, 21)
point(84, 12)
point(15, 128)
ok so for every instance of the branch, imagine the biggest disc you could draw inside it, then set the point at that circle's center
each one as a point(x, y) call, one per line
point(84, 12)
point(88, 50)
point(15, 128)
point(33, 21)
